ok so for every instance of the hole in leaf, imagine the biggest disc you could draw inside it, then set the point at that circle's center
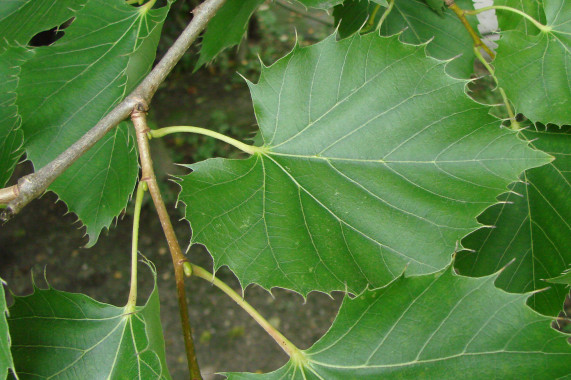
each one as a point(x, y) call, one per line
point(48, 37)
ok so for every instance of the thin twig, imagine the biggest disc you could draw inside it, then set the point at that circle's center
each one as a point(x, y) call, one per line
point(385, 14)
point(139, 118)
point(35, 184)
point(461, 13)
point(8, 193)
point(513, 122)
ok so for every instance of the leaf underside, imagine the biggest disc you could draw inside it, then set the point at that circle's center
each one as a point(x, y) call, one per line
point(371, 151)
point(408, 330)
point(59, 101)
point(532, 227)
point(60, 335)
point(535, 69)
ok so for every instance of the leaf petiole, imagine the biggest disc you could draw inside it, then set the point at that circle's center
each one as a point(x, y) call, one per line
point(132, 300)
point(513, 122)
point(540, 26)
point(289, 348)
point(385, 15)
point(250, 149)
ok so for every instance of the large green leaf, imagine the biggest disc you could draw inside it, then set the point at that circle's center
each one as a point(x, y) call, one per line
point(418, 24)
point(370, 151)
point(227, 28)
point(6, 361)
point(66, 88)
point(440, 326)
point(39, 15)
point(11, 136)
point(60, 335)
point(532, 226)
point(535, 70)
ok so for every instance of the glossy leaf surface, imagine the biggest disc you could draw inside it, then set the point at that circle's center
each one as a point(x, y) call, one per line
point(370, 151)
point(60, 335)
point(6, 362)
point(439, 326)
point(59, 101)
point(532, 227)
point(535, 69)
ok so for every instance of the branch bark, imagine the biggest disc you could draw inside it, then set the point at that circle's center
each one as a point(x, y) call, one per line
point(139, 118)
point(33, 185)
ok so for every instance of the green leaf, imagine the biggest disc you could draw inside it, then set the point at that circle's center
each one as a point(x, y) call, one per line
point(356, 172)
point(535, 70)
point(20, 20)
point(66, 88)
point(60, 335)
point(409, 330)
point(39, 15)
point(323, 4)
point(532, 227)
point(437, 6)
point(11, 136)
point(512, 21)
point(448, 37)
point(6, 361)
point(227, 28)
point(352, 15)
point(417, 23)
point(565, 278)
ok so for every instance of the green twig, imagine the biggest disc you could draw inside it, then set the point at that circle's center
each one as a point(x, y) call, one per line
point(283, 342)
point(461, 13)
point(385, 14)
point(371, 21)
point(132, 300)
point(540, 26)
point(250, 149)
point(513, 122)
point(139, 118)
